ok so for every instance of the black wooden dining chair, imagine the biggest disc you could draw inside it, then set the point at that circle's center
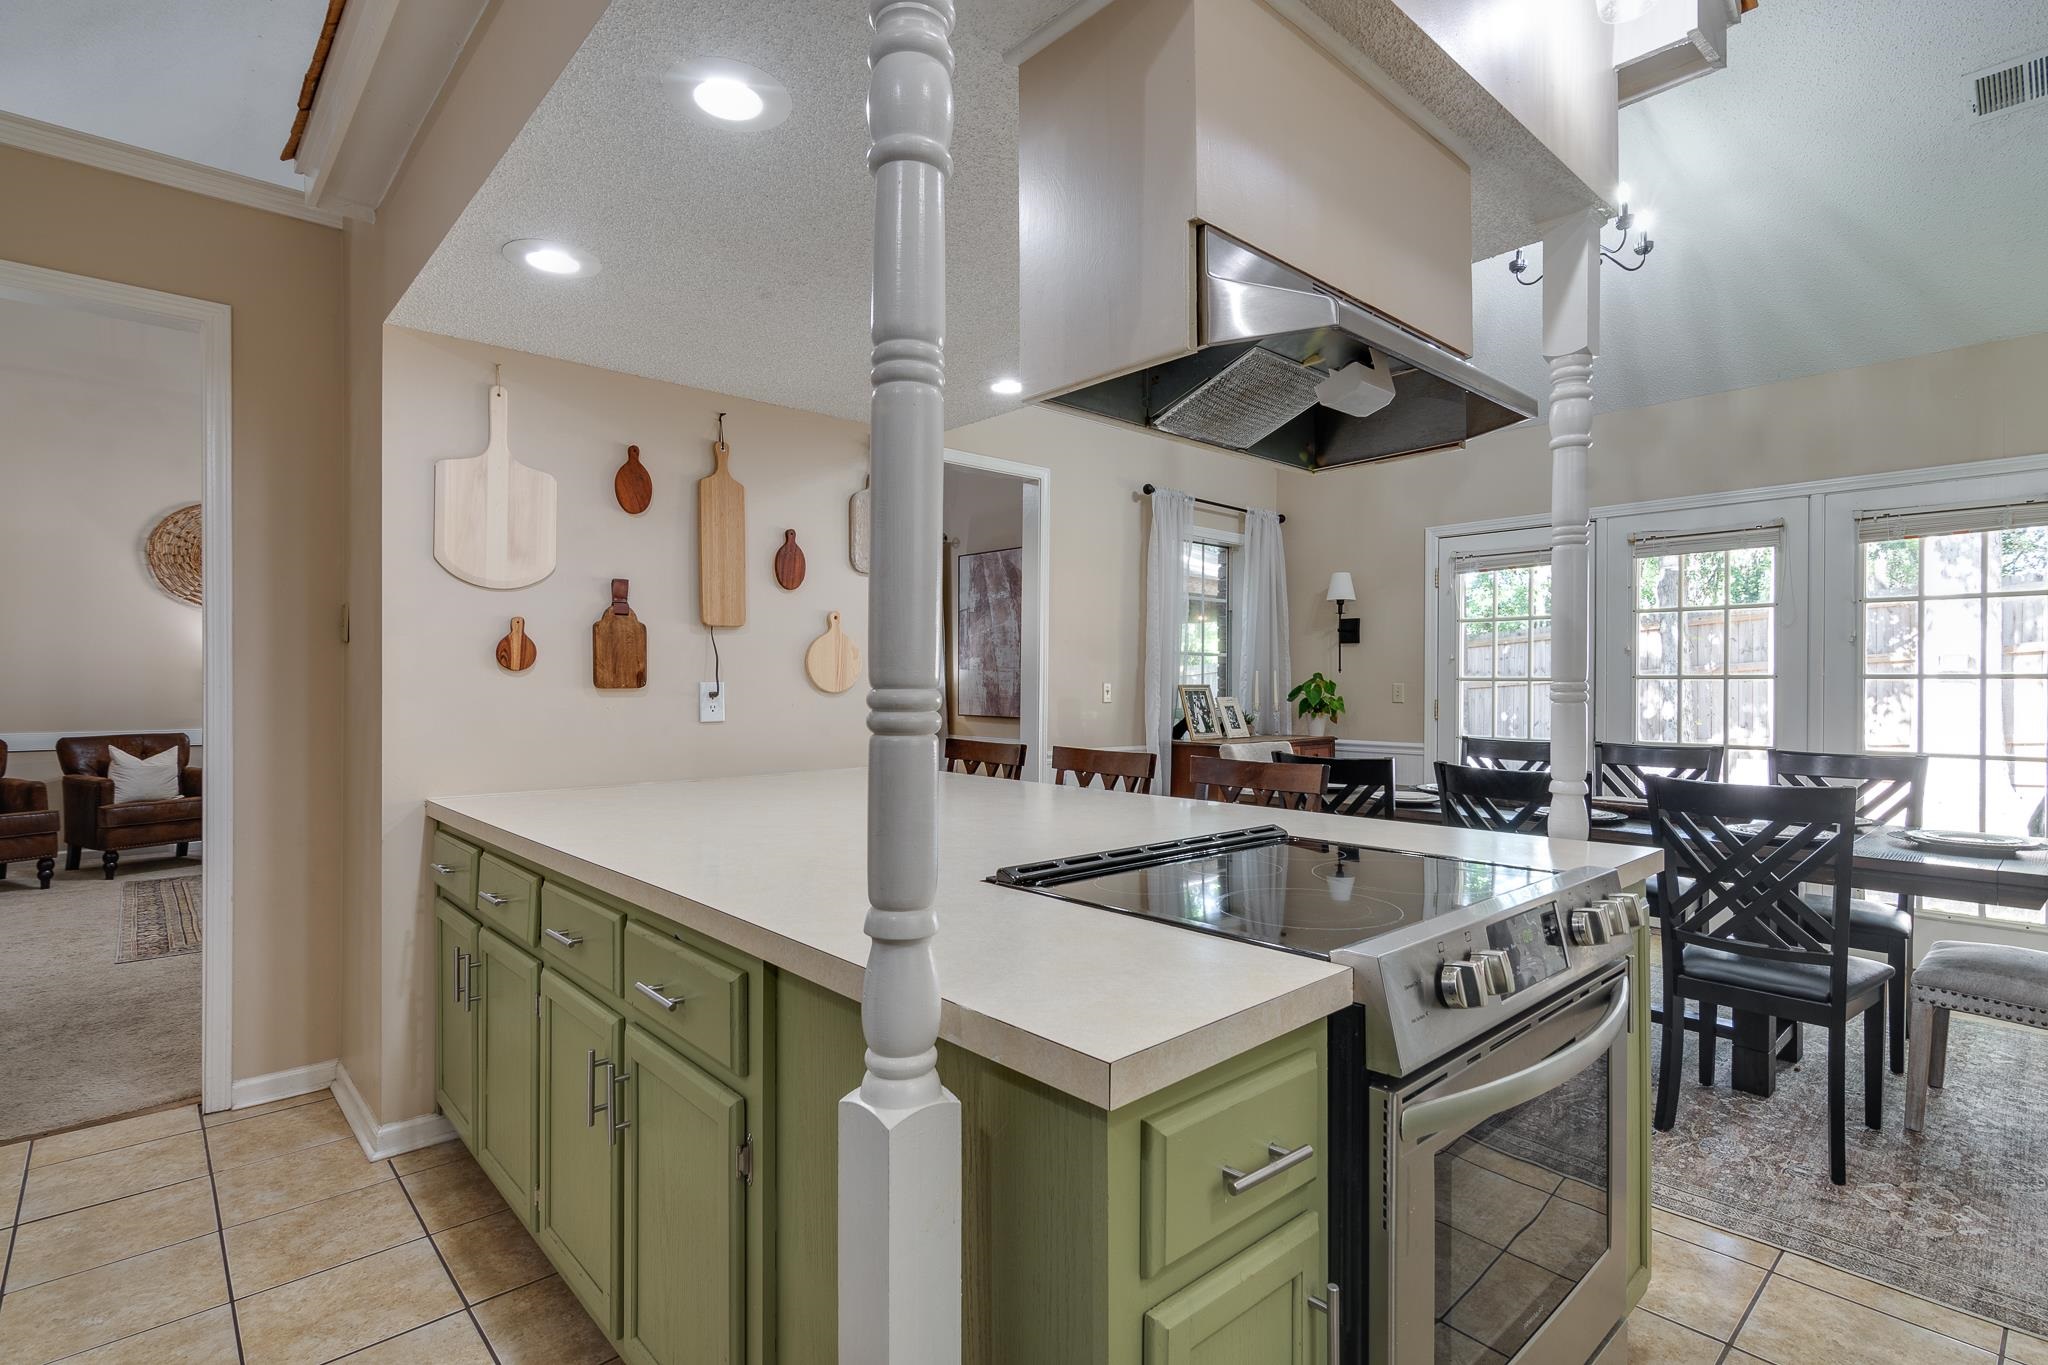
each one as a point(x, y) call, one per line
point(1891, 790)
point(985, 757)
point(1506, 801)
point(1621, 768)
point(1736, 931)
point(1515, 755)
point(1357, 786)
point(1259, 784)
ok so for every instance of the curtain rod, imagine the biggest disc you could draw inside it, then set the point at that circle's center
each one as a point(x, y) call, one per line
point(1211, 502)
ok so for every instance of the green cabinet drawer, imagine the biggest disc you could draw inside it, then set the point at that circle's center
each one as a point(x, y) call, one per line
point(581, 937)
point(1253, 1307)
point(687, 996)
point(451, 862)
point(1252, 1125)
point(508, 898)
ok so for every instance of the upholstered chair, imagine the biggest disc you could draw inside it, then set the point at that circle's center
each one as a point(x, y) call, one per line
point(93, 819)
point(28, 827)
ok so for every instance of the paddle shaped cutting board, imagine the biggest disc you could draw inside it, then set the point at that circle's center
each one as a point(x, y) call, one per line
point(859, 527)
point(721, 542)
point(789, 563)
point(633, 486)
point(516, 652)
point(618, 644)
point(832, 660)
point(494, 518)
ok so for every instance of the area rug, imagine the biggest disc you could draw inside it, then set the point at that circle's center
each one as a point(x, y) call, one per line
point(1957, 1213)
point(159, 918)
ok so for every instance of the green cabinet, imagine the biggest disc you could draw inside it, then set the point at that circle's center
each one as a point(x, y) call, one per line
point(1255, 1306)
point(455, 1016)
point(581, 1076)
point(508, 1039)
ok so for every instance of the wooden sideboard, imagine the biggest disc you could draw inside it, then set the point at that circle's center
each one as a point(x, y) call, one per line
point(1186, 751)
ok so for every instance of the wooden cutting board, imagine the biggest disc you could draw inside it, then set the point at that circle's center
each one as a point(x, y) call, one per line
point(859, 526)
point(618, 644)
point(516, 652)
point(789, 563)
point(494, 518)
point(721, 541)
point(832, 660)
point(633, 486)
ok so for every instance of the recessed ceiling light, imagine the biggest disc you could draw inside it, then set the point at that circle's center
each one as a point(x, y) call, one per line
point(726, 94)
point(1008, 388)
point(550, 258)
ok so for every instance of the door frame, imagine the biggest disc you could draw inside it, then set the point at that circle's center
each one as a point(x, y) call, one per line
point(1037, 625)
point(212, 324)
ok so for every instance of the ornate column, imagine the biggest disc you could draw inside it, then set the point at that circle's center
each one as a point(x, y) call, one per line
point(1571, 338)
point(899, 1134)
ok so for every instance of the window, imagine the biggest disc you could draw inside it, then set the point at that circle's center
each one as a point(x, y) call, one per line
point(1503, 648)
point(1704, 668)
point(1205, 639)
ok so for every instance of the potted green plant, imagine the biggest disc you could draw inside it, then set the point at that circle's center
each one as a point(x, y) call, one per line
point(1316, 700)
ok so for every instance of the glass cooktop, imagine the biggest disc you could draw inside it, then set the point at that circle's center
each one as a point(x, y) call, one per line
point(1305, 895)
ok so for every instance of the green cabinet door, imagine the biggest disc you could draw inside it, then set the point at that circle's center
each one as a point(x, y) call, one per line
point(508, 1044)
point(580, 1069)
point(455, 1018)
point(685, 1207)
point(1253, 1307)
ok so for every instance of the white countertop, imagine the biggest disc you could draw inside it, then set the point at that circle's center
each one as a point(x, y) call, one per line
point(1105, 1007)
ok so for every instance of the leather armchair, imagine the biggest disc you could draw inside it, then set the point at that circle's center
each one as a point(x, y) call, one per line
point(93, 819)
point(28, 827)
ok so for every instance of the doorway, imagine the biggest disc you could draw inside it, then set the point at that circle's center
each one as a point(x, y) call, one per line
point(996, 595)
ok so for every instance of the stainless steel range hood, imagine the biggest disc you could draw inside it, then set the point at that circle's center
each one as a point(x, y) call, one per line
point(1269, 338)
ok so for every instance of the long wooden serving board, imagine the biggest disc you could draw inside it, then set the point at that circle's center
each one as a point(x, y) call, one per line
point(618, 644)
point(721, 541)
point(494, 518)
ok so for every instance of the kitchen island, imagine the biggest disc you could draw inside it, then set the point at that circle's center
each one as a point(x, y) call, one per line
point(648, 1013)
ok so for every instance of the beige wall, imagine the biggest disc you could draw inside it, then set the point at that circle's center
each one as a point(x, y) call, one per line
point(283, 279)
point(102, 437)
point(1978, 403)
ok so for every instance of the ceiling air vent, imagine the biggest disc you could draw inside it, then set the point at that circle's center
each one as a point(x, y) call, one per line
point(2010, 86)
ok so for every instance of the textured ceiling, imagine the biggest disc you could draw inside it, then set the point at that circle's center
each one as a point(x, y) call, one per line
point(736, 261)
point(211, 81)
point(1827, 201)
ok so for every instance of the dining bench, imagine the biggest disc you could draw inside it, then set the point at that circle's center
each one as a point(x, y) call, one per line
point(1994, 980)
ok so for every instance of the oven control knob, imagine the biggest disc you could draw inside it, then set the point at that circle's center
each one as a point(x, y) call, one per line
point(1498, 968)
point(1634, 909)
point(1463, 985)
point(1589, 928)
point(1615, 911)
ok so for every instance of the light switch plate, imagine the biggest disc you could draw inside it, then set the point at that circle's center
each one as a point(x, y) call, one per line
point(1400, 692)
point(1105, 693)
point(711, 702)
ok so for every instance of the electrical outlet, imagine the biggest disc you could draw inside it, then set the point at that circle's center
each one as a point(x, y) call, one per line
point(1400, 693)
point(1105, 694)
point(711, 702)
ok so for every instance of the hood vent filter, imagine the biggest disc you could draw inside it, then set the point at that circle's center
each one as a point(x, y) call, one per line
point(1243, 403)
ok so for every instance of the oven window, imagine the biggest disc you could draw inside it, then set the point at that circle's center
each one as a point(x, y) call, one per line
point(1521, 1218)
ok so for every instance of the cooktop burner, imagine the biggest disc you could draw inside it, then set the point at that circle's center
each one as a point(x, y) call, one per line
point(1305, 895)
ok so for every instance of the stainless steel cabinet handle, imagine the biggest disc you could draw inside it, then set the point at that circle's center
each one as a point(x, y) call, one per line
point(591, 1108)
point(653, 993)
point(619, 1125)
point(1332, 1304)
point(566, 940)
point(1237, 1182)
point(492, 898)
point(445, 869)
point(469, 974)
point(460, 982)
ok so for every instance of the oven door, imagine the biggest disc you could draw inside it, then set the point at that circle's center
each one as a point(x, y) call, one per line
point(1497, 1229)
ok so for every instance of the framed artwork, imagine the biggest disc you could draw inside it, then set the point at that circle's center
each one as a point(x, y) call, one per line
point(988, 634)
point(1198, 708)
point(1231, 716)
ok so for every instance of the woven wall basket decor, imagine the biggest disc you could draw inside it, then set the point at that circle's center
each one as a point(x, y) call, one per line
point(173, 553)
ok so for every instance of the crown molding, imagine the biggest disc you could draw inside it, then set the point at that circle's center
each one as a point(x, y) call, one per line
point(48, 139)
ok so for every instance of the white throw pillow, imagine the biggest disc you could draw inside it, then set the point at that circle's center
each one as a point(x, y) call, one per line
point(144, 779)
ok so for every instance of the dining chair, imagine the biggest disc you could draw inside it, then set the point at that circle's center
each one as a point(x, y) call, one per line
point(1890, 790)
point(1357, 786)
point(1620, 768)
point(985, 757)
point(1286, 785)
point(1131, 769)
point(1738, 933)
point(1515, 755)
point(1504, 800)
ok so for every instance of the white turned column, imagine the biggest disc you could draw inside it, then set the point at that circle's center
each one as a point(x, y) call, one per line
point(899, 1134)
point(1571, 338)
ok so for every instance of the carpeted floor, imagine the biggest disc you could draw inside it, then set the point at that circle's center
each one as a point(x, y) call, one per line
point(82, 1036)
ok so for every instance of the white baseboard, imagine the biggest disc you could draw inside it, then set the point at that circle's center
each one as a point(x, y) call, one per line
point(382, 1140)
point(282, 1085)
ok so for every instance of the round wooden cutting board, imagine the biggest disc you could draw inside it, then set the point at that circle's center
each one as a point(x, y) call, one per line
point(832, 660)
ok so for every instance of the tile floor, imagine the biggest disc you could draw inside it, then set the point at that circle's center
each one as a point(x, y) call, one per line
point(263, 1235)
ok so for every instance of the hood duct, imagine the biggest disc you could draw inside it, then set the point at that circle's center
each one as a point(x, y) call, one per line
point(1269, 337)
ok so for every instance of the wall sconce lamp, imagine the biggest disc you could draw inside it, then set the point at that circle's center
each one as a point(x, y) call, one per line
point(1341, 592)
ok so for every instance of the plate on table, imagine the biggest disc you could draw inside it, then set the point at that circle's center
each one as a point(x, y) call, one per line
point(1968, 842)
point(1414, 796)
point(1748, 827)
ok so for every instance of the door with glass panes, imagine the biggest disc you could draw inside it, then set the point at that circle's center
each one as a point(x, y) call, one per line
point(1493, 641)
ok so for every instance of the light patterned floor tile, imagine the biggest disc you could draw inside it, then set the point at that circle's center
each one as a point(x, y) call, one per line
point(491, 1256)
point(274, 1135)
point(405, 1163)
point(13, 1161)
point(347, 1308)
point(2022, 1349)
point(1698, 1288)
point(1701, 1235)
point(113, 1175)
point(203, 1339)
point(103, 1233)
point(304, 1177)
point(1796, 1324)
point(1896, 1302)
point(314, 1237)
point(255, 1111)
point(452, 1340)
point(50, 1321)
point(542, 1324)
point(105, 1137)
point(1657, 1341)
point(453, 1193)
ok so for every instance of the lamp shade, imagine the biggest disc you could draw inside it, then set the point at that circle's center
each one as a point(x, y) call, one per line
point(1341, 589)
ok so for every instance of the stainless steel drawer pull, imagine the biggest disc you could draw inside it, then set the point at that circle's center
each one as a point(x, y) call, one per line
point(493, 898)
point(653, 993)
point(469, 971)
point(591, 1108)
point(619, 1125)
point(461, 996)
point(566, 940)
point(445, 869)
point(1331, 1304)
point(1237, 1182)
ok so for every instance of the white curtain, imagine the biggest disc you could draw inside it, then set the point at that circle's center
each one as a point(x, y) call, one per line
point(1258, 624)
point(1166, 615)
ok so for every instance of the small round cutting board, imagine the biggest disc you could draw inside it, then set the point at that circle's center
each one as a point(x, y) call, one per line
point(832, 660)
point(516, 652)
point(789, 563)
point(633, 485)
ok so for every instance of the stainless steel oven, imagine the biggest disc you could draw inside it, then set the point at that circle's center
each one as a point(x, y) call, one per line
point(1494, 1205)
